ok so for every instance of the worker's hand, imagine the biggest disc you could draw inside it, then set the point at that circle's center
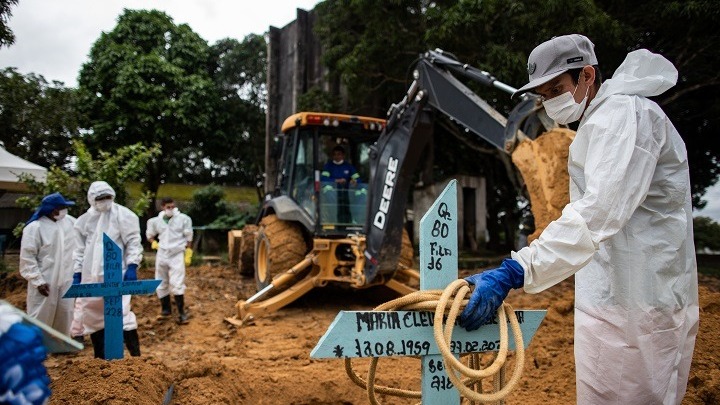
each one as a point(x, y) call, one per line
point(340, 181)
point(188, 256)
point(131, 272)
point(353, 182)
point(77, 278)
point(491, 288)
point(23, 377)
point(154, 245)
point(44, 290)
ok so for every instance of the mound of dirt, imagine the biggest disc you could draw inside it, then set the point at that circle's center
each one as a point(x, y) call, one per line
point(94, 381)
point(209, 361)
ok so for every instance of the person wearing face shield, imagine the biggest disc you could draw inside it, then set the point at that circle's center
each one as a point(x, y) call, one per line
point(626, 234)
point(174, 231)
point(123, 227)
point(46, 254)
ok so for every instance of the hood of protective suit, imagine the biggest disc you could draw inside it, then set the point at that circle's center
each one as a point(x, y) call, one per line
point(99, 188)
point(642, 73)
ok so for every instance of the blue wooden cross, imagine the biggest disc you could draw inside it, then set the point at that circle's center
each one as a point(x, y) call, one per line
point(112, 289)
point(410, 333)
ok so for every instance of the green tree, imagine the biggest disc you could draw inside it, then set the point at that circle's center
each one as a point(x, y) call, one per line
point(707, 233)
point(208, 204)
point(7, 37)
point(117, 167)
point(37, 119)
point(239, 141)
point(148, 81)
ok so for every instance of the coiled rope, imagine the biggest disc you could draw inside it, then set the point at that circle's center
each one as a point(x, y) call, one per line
point(467, 379)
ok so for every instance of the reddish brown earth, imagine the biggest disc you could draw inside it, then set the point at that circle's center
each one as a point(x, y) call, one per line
point(212, 362)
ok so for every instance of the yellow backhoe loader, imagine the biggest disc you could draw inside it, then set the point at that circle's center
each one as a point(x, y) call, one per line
point(312, 233)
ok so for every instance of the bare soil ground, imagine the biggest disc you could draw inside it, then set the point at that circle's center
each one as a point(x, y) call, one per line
point(209, 361)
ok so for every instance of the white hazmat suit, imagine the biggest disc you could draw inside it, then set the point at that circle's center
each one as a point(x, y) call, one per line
point(46, 257)
point(173, 234)
point(627, 232)
point(123, 227)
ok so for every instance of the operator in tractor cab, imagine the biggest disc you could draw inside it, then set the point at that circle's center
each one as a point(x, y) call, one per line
point(338, 175)
point(626, 234)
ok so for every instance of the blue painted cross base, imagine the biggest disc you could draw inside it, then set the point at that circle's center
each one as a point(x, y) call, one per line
point(112, 289)
point(424, 324)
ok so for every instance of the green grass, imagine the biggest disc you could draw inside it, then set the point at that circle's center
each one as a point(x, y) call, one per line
point(184, 192)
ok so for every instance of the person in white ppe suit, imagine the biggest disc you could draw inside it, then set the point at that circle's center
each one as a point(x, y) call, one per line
point(123, 227)
point(626, 234)
point(46, 254)
point(174, 233)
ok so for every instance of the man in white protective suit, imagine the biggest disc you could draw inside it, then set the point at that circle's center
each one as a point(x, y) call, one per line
point(174, 231)
point(46, 254)
point(123, 227)
point(626, 234)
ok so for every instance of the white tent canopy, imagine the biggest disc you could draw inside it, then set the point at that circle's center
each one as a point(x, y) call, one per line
point(12, 166)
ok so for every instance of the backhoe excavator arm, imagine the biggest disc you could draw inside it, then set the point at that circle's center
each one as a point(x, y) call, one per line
point(394, 158)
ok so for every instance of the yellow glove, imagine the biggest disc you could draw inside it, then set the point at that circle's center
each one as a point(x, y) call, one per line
point(154, 245)
point(188, 256)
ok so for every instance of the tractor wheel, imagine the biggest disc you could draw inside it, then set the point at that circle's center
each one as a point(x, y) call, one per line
point(406, 251)
point(246, 256)
point(278, 247)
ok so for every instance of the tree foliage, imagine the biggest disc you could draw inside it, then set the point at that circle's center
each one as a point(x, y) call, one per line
point(147, 81)
point(37, 119)
point(117, 167)
point(208, 204)
point(152, 81)
point(240, 77)
point(707, 234)
point(7, 37)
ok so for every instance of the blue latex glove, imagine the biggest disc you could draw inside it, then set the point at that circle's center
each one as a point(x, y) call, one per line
point(131, 273)
point(491, 288)
point(23, 377)
point(77, 278)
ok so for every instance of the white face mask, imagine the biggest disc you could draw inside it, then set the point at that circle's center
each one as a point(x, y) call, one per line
point(338, 162)
point(61, 214)
point(169, 212)
point(563, 108)
point(103, 205)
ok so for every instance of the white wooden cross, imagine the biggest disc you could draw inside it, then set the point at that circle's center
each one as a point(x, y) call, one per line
point(356, 334)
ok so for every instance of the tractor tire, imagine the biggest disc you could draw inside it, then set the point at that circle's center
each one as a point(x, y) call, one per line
point(246, 255)
point(407, 254)
point(279, 245)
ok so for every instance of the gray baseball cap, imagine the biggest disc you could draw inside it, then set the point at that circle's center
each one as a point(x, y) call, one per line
point(555, 57)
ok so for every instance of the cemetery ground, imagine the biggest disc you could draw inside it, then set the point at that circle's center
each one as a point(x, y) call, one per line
point(209, 361)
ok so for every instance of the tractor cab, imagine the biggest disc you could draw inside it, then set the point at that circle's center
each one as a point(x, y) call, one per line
point(325, 167)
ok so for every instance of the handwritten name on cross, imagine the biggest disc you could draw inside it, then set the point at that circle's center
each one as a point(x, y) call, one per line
point(112, 289)
point(356, 334)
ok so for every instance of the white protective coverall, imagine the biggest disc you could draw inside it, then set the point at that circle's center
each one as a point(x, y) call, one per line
point(627, 232)
point(173, 237)
point(46, 257)
point(123, 227)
